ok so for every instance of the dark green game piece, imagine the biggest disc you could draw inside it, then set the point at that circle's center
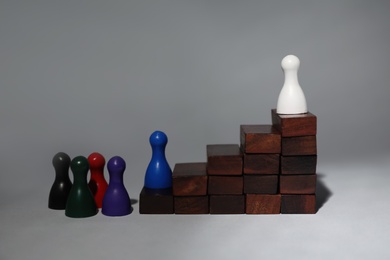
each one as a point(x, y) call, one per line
point(81, 203)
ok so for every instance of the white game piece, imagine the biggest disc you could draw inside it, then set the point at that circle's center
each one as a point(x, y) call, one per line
point(291, 98)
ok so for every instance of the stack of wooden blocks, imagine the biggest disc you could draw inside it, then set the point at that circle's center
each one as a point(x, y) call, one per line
point(272, 171)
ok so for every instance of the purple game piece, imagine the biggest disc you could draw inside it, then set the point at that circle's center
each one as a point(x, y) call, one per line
point(116, 201)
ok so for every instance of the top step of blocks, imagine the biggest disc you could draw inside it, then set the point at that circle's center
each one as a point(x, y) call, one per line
point(295, 125)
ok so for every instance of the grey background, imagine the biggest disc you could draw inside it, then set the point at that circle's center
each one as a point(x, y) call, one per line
point(85, 76)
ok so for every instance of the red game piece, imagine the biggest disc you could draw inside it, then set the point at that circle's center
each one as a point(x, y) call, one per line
point(97, 184)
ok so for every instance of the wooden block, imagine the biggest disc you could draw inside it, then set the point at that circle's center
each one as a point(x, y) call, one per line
point(298, 164)
point(260, 139)
point(156, 201)
point(261, 184)
point(301, 145)
point(189, 179)
point(298, 204)
point(225, 185)
point(295, 125)
point(261, 163)
point(263, 204)
point(227, 204)
point(298, 184)
point(224, 159)
point(192, 205)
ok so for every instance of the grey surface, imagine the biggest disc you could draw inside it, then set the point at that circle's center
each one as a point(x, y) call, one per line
point(85, 76)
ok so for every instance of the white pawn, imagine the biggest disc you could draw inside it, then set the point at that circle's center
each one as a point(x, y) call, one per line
point(291, 98)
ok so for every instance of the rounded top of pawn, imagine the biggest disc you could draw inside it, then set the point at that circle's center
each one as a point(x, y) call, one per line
point(290, 62)
point(79, 163)
point(96, 160)
point(116, 163)
point(61, 159)
point(158, 138)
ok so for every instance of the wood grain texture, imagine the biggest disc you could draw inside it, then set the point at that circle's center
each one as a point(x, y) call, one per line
point(263, 204)
point(225, 185)
point(224, 159)
point(227, 204)
point(260, 139)
point(298, 164)
point(261, 163)
point(298, 204)
point(295, 125)
point(301, 145)
point(192, 205)
point(261, 184)
point(156, 201)
point(189, 179)
point(298, 184)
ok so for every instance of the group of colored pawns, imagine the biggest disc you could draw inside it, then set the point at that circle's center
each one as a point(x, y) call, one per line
point(83, 198)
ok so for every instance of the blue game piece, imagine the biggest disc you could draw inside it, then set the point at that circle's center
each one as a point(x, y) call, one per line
point(116, 200)
point(158, 174)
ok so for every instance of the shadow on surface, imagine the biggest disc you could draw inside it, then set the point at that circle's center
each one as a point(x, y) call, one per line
point(133, 201)
point(323, 192)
